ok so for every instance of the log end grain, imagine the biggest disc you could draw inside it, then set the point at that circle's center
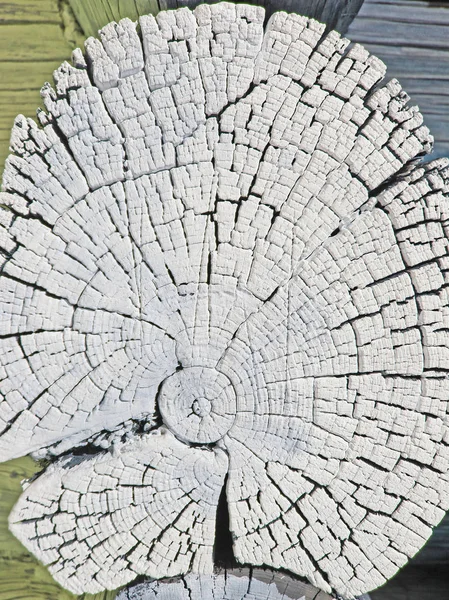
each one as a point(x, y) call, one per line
point(224, 283)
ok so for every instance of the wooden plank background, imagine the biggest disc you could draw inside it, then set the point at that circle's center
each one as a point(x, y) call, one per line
point(37, 35)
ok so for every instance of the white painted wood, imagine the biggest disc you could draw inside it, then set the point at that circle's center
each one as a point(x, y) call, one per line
point(222, 266)
point(337, 14)
point(95, 520)
point(230, 584)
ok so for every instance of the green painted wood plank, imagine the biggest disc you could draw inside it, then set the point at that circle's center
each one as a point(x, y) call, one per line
point(35, 37)
point(29, 11)
point(28, 580)
point(27, 76)
point(11, 474)
point(28, 100)
point(36, 40)
point(33, 43)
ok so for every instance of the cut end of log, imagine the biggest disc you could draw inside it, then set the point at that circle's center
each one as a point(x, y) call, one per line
point(224, 278)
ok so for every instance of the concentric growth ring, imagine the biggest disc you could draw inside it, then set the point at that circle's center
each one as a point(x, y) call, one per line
point(198, 404)
point(243, 198)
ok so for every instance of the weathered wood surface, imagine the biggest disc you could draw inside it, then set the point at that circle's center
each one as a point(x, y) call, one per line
point(412, 37)
point(208, 223)
point(21, 70)
point(412, 583)
point(36, 35)
point(337, 14)
point(22, 577)
point(231, 584)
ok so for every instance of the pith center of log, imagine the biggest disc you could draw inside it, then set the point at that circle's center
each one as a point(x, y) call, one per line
point(198, 404)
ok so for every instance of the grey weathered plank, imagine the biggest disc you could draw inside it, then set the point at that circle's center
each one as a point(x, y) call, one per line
point(232, 584)
point(416, 583)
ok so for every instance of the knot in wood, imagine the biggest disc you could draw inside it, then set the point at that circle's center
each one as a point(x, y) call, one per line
point(198, 404)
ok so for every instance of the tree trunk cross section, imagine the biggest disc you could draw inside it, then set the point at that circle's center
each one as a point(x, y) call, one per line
point(225, 283)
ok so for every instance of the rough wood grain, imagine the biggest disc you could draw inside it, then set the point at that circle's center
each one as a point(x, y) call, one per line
point(412, 38)
point(22, 577)
point(232, 584)
point(231, 218)
point(337, 14)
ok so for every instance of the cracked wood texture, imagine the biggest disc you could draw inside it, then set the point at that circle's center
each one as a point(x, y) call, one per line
point(36, 35)
point(25, 25)
point(337, 14)
point(22, 576)
point(232, 584)
point(224, 283)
